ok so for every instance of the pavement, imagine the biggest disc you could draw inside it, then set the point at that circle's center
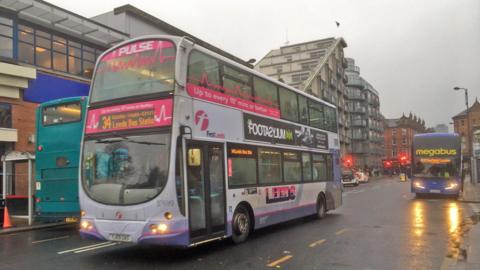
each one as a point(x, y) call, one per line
point(471, 244)
point(21, 225)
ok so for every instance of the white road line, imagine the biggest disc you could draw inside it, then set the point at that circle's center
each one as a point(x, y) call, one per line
point(89, 249)
point(85, 247)
point(51, 239)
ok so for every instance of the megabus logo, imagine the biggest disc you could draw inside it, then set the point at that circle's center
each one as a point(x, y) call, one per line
point(436, 152)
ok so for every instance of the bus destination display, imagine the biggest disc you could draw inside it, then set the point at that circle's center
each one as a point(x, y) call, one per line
point(156, 113)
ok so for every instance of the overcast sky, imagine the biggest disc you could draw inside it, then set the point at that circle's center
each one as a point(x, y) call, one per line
point(412, 51)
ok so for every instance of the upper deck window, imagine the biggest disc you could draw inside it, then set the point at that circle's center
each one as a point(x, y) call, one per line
point(139, 68)
point(62, 113)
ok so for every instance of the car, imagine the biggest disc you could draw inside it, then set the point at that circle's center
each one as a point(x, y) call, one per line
point(348, 178)
point(361, 176)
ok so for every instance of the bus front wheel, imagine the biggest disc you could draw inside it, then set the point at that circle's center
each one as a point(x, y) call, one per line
point(241, 224)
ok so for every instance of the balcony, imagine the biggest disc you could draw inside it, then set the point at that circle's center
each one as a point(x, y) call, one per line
point(345, 78)
point(344, 63)
point(355, 81)
point(333, 82)
point(359, 123)
point(355, 96)
point(357, 110)
point(361, 136)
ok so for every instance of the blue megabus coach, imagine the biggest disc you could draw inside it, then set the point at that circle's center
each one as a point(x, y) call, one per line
point(437, 164)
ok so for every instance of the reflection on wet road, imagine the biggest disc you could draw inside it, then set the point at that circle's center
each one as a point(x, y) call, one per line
point(380, 226)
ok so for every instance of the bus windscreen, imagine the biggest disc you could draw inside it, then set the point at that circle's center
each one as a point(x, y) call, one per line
point(139, 68)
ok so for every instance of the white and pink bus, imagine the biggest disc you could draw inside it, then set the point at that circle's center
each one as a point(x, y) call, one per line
point(183, 146)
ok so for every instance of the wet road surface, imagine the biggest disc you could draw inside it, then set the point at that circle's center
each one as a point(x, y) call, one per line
point(380, 226)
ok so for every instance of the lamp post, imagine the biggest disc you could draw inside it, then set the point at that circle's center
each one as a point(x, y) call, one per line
point(469, 142)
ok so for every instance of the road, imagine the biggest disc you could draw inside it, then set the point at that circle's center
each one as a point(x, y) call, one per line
point(380, 226)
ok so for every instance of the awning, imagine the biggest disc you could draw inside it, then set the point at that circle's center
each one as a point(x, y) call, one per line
point(59, 19)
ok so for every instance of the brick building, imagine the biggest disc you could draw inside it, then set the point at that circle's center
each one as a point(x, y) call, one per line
point(398, 135)
point(460, 126)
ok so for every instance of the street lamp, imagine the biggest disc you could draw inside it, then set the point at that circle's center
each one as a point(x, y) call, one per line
point(469, 142)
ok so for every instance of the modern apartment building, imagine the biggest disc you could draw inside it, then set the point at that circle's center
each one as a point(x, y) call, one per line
point(318, 68)
point(366, 122)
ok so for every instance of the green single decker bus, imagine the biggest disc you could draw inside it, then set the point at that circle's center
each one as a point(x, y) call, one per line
point(59, 126)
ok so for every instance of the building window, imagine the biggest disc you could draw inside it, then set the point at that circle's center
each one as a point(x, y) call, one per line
point(50, 51)
point(404, 140)
point(288, 58)
point(6, 37)
point(5, 115)
point(394, 141)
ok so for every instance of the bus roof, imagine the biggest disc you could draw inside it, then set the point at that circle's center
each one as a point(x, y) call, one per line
point(63, 100)
point(178, 39)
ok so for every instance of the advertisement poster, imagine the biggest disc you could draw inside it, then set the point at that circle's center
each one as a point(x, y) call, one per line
point(268, 130)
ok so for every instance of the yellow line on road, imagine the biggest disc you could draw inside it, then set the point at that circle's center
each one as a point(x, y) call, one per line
point(341, 231)
point(317, 243)
point(279, 261)
point(84, 247)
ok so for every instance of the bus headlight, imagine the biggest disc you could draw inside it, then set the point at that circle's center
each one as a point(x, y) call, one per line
point(158, 228)
point(418, 184)
point(452, 185)
point(86, 225)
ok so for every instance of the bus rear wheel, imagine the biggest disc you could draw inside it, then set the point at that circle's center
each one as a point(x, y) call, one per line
point(321, 207)
point(241, 225)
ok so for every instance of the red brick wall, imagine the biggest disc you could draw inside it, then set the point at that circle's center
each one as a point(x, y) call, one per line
point(401, 148)
point(23, 119)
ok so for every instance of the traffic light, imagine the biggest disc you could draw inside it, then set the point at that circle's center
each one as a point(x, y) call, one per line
point(403, 159)
point(348, 161)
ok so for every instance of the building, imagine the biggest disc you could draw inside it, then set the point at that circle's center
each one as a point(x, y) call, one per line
point(461, 125)
point(47, 52)
point(366, 122)
point(398, 135)
point(441, 128)
point(136, 22)
point(318, 68)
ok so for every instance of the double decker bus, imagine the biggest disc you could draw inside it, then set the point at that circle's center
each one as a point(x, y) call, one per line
point(183, 146)
point(437, 164)
point(59, 125)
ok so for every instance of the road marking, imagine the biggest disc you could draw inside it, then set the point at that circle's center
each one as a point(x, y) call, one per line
point(341, 231)
point(51, 239)
point(317, 243)
point(357, 191)
point(85, 247)
point(89, 249)
point(279, 261)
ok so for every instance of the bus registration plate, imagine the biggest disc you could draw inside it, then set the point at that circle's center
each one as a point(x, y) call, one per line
point(434, 191)
point(119, 237)
point(71, 219)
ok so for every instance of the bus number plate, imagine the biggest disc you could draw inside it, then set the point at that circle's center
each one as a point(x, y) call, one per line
point(434, 191)
point(120, 237)
point(71, 219)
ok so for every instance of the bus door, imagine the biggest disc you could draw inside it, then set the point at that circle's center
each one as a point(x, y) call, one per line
point(206, 189)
